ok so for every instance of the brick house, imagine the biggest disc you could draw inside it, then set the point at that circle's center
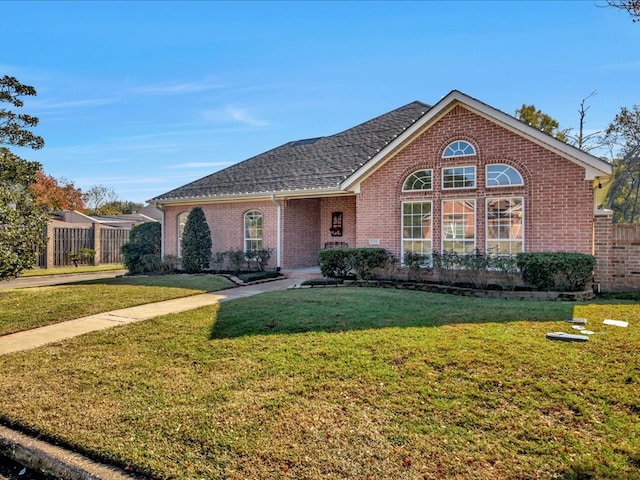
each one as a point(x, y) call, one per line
point(459, 175)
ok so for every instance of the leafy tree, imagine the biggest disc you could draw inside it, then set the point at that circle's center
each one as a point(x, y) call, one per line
point(14, 126)
point(142, 252)
point(22, 222)
point(119, 207)
point(196, 242)
point(631, 6)
point(543, 122)
point(623, 138)
point(97, 197)
point(53, 194)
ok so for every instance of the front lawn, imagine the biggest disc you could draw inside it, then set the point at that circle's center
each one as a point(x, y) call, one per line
point(345, 383)
point(23, 309)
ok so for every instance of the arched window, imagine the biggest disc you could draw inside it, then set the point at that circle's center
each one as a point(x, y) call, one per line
point(252, 230)
point(420, 180)
point(182, 221)
point(459, 148)
point(501, 175)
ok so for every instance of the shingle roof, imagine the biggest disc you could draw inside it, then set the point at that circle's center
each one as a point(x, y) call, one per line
point(315, 163)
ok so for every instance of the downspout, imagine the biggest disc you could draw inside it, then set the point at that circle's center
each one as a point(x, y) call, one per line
point(278, 231)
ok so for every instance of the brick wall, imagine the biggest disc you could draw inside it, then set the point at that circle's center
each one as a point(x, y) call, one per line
point(617, 251)
point(301, 231)
point(558, 202)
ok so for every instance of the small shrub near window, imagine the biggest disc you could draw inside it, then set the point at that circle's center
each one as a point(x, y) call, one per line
point(258, 259)
point(341, 262)
point(564, 272)
point(415, 262)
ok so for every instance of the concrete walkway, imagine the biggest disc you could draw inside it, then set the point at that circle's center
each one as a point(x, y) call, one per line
point(57, 462)
point(72, 328)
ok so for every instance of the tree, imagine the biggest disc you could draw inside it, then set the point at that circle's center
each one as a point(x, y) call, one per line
point(54, 195)
point(22, 222)
point(14, 126)
point(631, 6)
point(623, 138)
point(97, 197)
point(196, 242)
point(119, 207)
point(586, 141)
point(543, 122)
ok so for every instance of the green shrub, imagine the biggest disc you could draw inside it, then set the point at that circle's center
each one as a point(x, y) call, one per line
point(415, 262)
point(142, 253)
point(336, 262)
point(258, 258)
point(556, 271)
point(322, 281)
point(196, 242)
point(340, 262)
point(255, 276)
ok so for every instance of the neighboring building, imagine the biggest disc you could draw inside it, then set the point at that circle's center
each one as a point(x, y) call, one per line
point(458, 176)
point(125, 220)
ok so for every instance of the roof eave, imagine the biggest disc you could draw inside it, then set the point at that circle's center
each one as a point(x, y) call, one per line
point(254, 196)
point(594, 167)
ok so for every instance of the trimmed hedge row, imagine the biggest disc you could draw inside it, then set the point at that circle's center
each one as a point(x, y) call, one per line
point(542, 271)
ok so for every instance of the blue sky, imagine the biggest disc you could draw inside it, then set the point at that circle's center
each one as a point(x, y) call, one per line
point(146, 96)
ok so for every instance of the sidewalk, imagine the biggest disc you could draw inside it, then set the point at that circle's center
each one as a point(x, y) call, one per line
point(72, 328)
point(57, 462)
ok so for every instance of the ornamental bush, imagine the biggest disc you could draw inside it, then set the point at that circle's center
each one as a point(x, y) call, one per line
point(142, 252)
point(564, 272)
point(341, 262)
point(196, 242)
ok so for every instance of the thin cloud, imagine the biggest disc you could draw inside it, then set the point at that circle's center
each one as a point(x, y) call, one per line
point(198, 165)
point(179, 88)
point(619, 66)
point(233, 114)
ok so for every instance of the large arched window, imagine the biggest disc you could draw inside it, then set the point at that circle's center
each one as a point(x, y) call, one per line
point(252, 230)
point(502, 175)
point(420, 180)
point(182, 221)
point(459, 148)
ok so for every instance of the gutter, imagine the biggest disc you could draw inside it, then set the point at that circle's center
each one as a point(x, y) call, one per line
point(278, 232)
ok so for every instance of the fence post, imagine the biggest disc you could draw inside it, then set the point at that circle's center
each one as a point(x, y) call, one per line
point(97, 236)
point(602, 245)
point(50, 248)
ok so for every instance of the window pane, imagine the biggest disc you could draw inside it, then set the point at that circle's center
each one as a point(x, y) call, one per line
point(420, 180)
point(459, 177)
point(459, 148)
point(416, 227)
point(252, 231)
point(458, 226)
point(502, 175)
point(504, 225)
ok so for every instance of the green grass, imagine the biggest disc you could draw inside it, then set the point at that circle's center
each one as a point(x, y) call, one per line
point(344, 383)
point(24, 309)
point(39, 272)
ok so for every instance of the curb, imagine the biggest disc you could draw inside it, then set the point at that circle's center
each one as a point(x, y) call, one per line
point(54, 461)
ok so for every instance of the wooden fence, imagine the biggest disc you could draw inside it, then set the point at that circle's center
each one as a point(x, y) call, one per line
point(62, 241)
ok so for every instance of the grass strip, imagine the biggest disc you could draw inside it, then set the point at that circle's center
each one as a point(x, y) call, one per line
point(24, 309)
point(344, 383)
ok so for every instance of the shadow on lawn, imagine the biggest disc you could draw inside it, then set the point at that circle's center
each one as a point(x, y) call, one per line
point(292, 314)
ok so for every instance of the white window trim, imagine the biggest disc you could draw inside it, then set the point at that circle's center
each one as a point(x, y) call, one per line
point(402, 239)
point(475, 178)
point(475, 219)
point(430, 170)
point(486, 220)
point(244, 229)
point(475, 152)
point(486, 176)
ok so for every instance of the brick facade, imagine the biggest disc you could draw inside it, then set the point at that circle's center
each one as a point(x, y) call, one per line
point(557, 200)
